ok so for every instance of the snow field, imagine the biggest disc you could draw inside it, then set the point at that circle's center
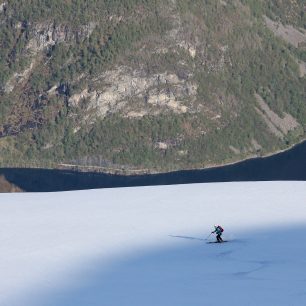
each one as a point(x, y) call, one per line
point(145, 246)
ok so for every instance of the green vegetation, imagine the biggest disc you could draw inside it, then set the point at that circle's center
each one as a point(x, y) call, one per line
point(69, 45)
point(287, 11)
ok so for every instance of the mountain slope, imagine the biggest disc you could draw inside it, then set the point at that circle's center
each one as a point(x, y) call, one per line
point(145, 246)
point(160, 85)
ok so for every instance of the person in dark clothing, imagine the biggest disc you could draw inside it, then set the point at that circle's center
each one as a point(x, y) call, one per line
point(218, 231)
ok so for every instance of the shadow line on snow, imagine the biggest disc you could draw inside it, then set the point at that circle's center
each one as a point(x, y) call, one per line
point(187, 237)
point(264, 270)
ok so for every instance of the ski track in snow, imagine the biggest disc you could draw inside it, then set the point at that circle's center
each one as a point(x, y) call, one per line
point(146, 246)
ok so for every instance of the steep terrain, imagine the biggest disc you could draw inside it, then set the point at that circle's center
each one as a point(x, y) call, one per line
point(155, 85)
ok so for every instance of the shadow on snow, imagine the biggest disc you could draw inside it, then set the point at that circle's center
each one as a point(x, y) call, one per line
point(266, 267)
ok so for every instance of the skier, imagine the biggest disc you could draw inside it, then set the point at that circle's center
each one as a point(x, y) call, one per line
point(218, 231)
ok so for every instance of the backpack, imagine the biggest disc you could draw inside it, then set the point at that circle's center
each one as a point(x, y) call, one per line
point(221, 229)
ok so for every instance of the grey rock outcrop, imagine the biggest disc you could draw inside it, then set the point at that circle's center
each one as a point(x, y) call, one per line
point(120, 86)
point(48, 34)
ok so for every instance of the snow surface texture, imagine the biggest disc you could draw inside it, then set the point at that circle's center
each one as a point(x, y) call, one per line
point(145, 246)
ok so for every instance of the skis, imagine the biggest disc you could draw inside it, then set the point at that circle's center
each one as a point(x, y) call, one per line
point(217, 241)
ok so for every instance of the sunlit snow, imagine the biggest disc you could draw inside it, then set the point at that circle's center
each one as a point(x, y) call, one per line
point(146, 246)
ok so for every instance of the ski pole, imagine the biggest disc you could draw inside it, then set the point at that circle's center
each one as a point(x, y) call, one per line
point(208, 236)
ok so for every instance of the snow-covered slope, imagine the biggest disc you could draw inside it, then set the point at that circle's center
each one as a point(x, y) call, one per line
point(145, 246)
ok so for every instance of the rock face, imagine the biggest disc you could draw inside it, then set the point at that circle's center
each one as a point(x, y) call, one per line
point(18, 78)
point(2, 6)
point(123, 85)
point(302, 67)
point(42, 36)
point(48, 34)
point(293, 36)
point(278, 126)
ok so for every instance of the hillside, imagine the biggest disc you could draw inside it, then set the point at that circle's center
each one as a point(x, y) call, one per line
point(151, 85)
point(146, 246)
point(6, 186)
